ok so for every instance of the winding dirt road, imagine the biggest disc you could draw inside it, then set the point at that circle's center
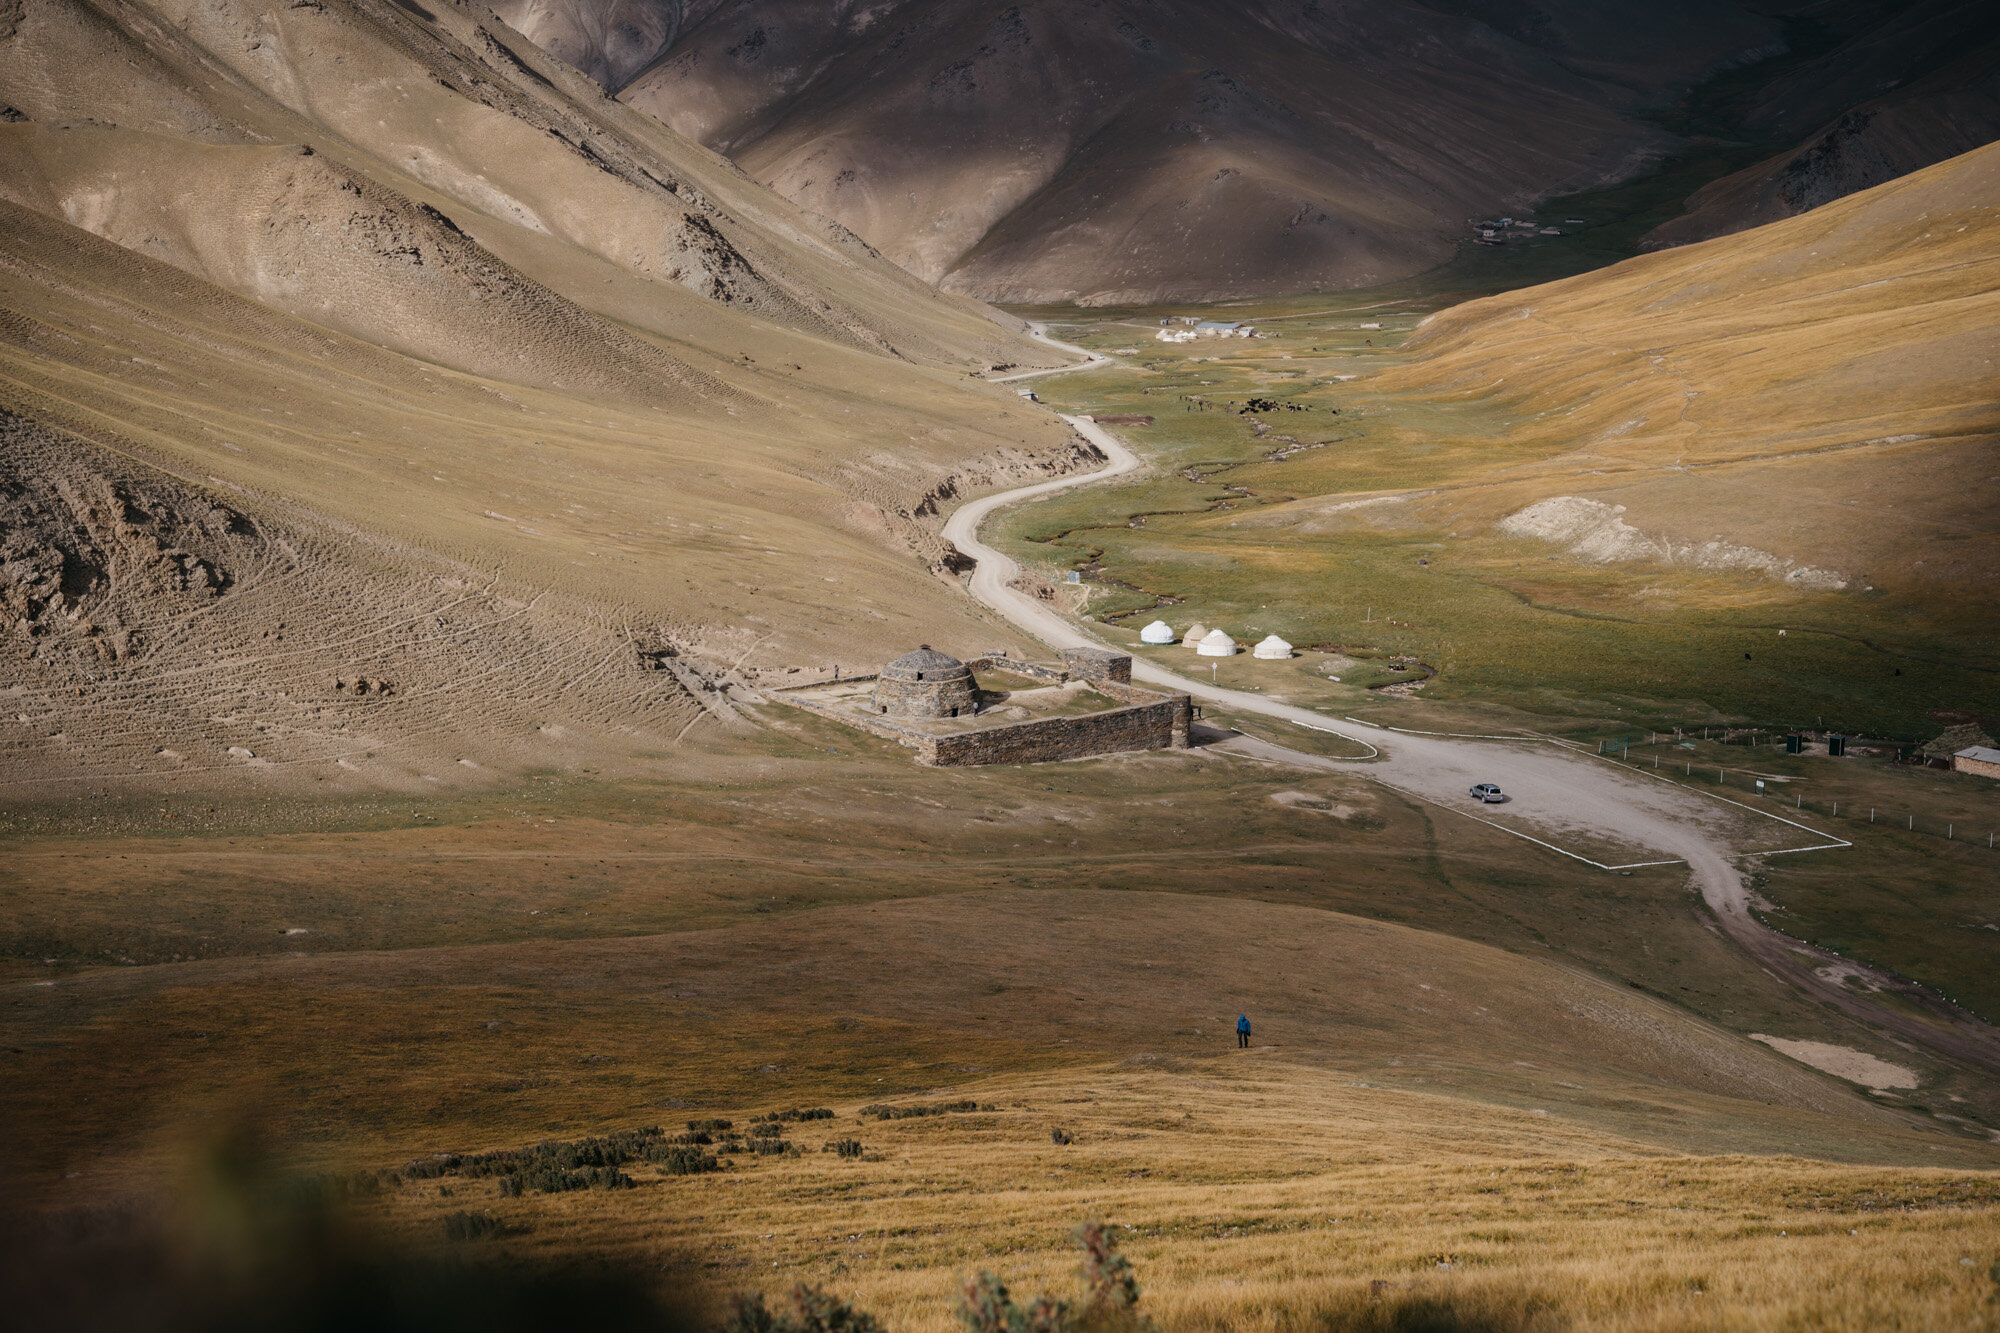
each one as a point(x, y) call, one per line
point(1572, 803)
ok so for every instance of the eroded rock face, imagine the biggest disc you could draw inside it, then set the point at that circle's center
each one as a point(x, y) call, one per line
point(610, 40)
point(151, 631)
point(80, 549)
point(701, 259)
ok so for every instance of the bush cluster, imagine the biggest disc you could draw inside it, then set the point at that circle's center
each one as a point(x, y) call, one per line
point(812, 1311)
point(1110, 1297)
point(883, 1111)
point(797, 1113)
point(1109, 1305)
point(682, 1159)
point(556, 1166)
point(845, 1147)
point(550, 1179)
point(337, 1187)
point(472, 1226)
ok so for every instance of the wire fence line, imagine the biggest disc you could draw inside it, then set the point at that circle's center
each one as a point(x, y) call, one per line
point(1975, 831)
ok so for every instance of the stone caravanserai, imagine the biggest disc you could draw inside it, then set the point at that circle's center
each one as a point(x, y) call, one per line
point(926, 683)
point(932, 702)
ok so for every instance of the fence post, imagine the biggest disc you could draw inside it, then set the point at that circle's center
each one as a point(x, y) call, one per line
point(1913, 822)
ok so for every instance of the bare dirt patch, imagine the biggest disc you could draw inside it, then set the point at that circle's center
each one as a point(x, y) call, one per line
point(1843, 1062)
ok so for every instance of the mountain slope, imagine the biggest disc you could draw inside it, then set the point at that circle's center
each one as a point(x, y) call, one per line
point(1821, 388)
point(446, 331)
point(1132, 152)
point(1939, 63)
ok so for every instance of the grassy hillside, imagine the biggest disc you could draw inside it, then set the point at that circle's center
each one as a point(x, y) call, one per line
point(1422, 1121)
point(1614, 489)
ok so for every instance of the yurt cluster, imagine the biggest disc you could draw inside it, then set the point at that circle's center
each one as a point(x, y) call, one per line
point(1213, 642)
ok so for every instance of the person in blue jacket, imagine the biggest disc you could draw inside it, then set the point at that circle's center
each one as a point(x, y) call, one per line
point(1242, 1031)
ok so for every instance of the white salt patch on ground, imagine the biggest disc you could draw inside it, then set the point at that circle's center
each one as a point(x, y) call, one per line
point(1592, 530)
point(1842, 1062)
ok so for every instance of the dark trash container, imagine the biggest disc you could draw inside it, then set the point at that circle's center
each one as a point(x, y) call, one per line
point(1795, 743)
point(1836, 746)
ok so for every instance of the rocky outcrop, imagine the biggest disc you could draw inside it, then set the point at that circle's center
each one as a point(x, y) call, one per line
point(81, 554)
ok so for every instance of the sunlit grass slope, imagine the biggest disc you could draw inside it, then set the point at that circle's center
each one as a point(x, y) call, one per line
point(1610, 492)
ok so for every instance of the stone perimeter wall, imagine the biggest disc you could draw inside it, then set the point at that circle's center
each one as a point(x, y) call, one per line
point(1147, 720)
point(1160, 724)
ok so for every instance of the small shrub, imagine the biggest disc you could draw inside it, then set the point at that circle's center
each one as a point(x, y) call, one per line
point(1061, 1137)
point(326, 1189)
point(884, 1111)
point(796, 1114)
point(709, 1126)
point(430, 1168)
point(845, 1147)
point(472, 1226)
point(984, 1306)
point(812, 1311)
point(684, 1160)
point(772, 1147)
point(1111, 1297)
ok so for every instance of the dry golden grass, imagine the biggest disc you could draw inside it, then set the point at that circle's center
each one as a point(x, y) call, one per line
point(1790, 387)
point(1256, 1194)
point(380, 1055)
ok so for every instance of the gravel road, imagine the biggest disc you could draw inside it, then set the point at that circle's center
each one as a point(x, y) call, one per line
point(1573, 803)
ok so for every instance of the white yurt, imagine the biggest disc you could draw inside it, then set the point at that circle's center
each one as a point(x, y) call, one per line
point(1157, 632)
point(1194, 635)
point(1216, 644)
point(1272, 647)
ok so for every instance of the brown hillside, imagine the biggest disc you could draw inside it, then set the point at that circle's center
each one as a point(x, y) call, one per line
point(1940, 62)
point(1821, 388)
point(538, 412)
point(1141, 152)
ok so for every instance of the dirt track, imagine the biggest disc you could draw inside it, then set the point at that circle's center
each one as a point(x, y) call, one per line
point(1556, 797)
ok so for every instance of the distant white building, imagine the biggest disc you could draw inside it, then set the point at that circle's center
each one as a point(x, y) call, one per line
point(1216, 644)
point(1157, 632)
point(1272, 648)
point(1216, 328)
point(1194, 635)
point(1175, 335)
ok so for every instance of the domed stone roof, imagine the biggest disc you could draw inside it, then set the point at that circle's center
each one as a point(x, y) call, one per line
point(927, 660)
